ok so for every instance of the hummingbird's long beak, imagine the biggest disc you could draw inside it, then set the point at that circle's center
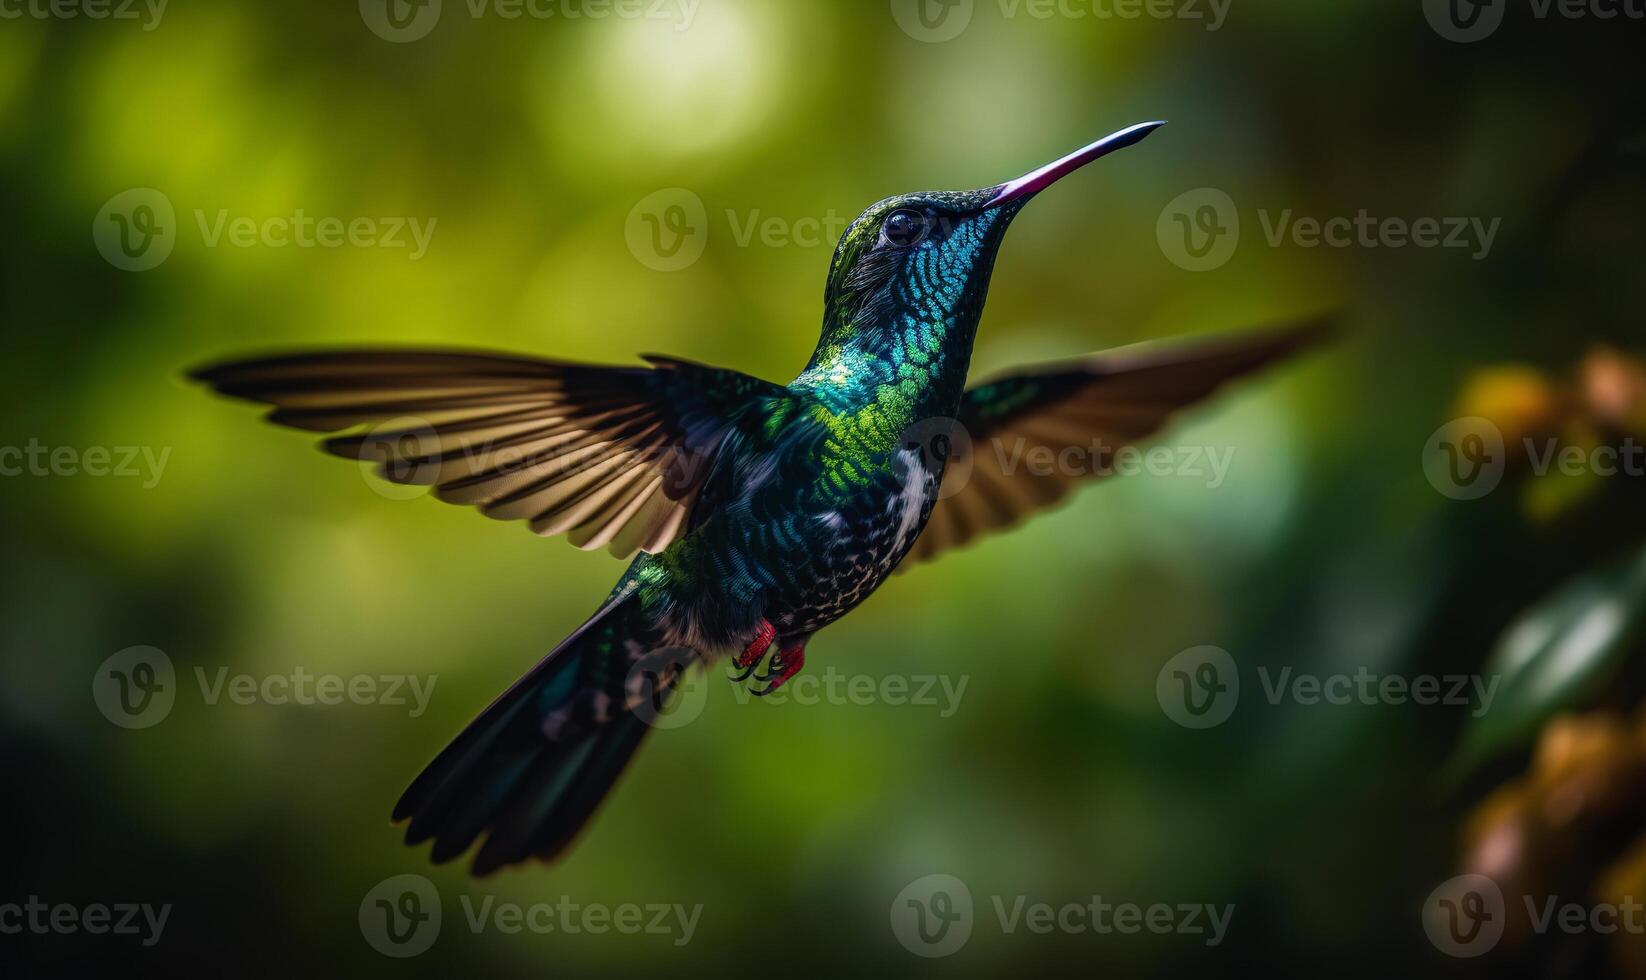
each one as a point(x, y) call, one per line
point(1038, 180)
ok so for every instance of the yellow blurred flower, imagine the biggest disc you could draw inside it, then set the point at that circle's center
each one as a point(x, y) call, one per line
point(1520, 400)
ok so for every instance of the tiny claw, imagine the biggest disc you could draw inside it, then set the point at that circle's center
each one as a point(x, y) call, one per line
point(769, 687)
point(784, 664)
point(738, 676)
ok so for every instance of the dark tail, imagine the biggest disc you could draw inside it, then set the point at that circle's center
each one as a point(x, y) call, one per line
point(530, 771)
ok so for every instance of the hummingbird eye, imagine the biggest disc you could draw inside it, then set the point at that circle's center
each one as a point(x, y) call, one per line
point(904, 228)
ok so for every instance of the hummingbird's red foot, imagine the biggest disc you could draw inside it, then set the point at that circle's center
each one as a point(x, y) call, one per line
point(746, 661)
point(785, 664)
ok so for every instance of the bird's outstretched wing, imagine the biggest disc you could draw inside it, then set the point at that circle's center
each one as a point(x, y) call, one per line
point(612, 456)
point(1092, 407)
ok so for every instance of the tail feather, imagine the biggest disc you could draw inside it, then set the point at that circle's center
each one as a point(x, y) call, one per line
point(529, 787)
point(432, 796)
point(539, 793)
point(594, 781)
point(545, 816)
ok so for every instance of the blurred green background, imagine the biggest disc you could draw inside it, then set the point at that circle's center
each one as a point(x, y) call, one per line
point(530, 142)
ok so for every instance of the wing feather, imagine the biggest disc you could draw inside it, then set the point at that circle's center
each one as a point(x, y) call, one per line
point(1094, 406)
point(613, 457)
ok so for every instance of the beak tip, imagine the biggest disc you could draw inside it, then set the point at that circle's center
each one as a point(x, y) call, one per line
point(1038, 180)
point(1139, 132)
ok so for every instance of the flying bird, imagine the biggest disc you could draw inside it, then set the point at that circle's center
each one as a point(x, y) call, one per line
point(755, 513)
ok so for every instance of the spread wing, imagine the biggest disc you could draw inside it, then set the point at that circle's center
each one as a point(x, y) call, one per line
point(1112, 399)
point(611, 456)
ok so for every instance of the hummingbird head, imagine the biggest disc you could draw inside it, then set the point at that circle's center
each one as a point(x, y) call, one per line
point(925, 258)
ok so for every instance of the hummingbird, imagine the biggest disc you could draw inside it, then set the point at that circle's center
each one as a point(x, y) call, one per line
point(753, 513)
